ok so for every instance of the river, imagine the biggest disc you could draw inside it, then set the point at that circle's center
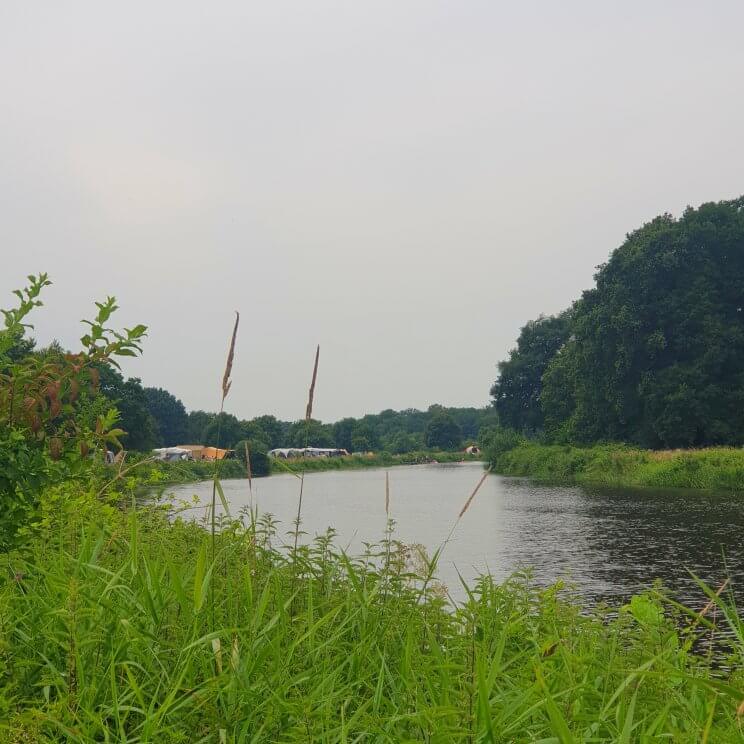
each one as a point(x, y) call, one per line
point(609, 543)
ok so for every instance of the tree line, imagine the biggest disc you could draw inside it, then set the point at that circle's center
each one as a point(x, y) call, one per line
point(653, 354)
point(154, 417)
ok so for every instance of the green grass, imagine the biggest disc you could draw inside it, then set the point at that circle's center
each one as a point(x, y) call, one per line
point(719, 468)
point(377, 460)
point(118, 626)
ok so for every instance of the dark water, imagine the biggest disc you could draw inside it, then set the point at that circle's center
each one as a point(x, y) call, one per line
point(609, 542)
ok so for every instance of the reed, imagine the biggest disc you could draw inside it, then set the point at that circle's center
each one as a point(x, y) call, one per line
point(308, 416)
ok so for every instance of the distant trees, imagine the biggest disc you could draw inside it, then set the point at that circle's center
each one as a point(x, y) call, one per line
point(443, 432)
point(654, 353)
point(170, 417)
point(260, 462)
point(198, 422)
point(516, 392)
point(223, 430)
point(129, 398)
point(313, 434)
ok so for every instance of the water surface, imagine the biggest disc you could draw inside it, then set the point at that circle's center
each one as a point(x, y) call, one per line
point(609, 542)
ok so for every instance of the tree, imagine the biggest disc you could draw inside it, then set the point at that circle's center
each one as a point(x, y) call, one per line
point(516, 393)
point(45, 436)
point(400, 442)
point(275, 431)
point(657, 349)
point(198, 422)
point(364, 437)
point(169, 415)
point(254, 432)
point(342, 433)
point(312, 434)
point(260, 460)
point(129, 398)
point(223, 430)
point(443, 432)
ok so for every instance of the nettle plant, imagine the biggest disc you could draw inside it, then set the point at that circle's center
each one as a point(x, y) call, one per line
point(45, 436)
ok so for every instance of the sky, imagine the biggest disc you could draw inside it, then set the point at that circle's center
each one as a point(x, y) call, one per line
point(405, 183)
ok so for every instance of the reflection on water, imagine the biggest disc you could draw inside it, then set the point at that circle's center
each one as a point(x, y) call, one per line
point(609, 542)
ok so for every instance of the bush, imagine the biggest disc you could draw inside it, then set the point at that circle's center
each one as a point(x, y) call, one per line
point(499, 441)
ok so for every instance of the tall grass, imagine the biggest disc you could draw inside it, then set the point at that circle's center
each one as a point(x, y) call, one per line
point(106, 635)
point(617, 465)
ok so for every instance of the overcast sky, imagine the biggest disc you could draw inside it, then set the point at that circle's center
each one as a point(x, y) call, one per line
point(405, 183)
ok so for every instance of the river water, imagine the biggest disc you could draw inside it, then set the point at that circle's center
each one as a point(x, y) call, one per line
point(609, 543)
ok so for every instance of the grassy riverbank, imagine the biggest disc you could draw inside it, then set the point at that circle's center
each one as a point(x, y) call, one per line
point(119, 626)
point(146, 472)
point(617, 465)
point(377, 460)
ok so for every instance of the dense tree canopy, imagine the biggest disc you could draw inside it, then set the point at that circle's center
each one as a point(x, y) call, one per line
point(516, 392)
point(443, 432)
point(224, 430)
point(170, 416)
point(656, 348)
point(129, 398)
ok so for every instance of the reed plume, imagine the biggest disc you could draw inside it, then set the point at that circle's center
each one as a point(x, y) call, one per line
point(311, 392)
point(226, 381)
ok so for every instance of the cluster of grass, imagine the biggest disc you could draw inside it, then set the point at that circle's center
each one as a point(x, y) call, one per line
point(376, 460)
point(618, 465)
point(124, 626)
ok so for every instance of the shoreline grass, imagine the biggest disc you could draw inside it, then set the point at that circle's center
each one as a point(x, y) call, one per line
point(118, 626)
point(377, 460)
point(718, 468)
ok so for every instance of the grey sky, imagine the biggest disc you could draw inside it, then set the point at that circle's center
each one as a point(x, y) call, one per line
point(404, 182)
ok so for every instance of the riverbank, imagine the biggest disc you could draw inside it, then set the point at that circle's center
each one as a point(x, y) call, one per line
point(377, 460)
point(149, 473)
point(120, 626)
point(720, 468)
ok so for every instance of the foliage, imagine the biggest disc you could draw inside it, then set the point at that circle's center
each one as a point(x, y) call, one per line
point(144, 473)
point(516, 392)
point(312, 433)
point(170, 417)
point(130, 400)
point(44, 438)
point(498, 441)
point(443, 432)
point(374, 460)
point(224, 430)
point(124, 627)
point(364, 437)
point(655, 355)
point(718, 468)
point(342, 431)
point(198, 422)
point(400, 442)
point(658, 355)
point(260, 460)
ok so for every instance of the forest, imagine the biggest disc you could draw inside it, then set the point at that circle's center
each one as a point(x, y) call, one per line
point(652, 355)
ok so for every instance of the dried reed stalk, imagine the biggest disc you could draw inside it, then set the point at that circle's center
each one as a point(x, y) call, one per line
point(387, 494)
point(308, 416)
point(248, 468)
point(466, 505)
point(712, 602)
point(472, 495)
point(226, 382)
point(311, 393)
